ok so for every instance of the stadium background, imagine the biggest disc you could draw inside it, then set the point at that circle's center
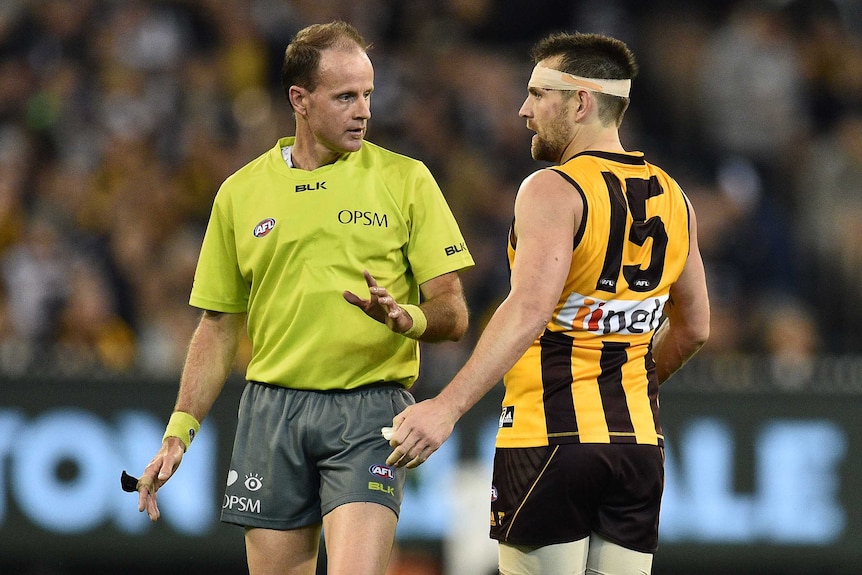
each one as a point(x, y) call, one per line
point(119, 119)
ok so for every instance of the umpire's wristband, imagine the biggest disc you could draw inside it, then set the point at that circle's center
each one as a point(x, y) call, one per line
point(183, 426)
point(420, 322)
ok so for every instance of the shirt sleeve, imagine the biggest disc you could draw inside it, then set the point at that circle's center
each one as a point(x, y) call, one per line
point(218, 283)
point(436, 245)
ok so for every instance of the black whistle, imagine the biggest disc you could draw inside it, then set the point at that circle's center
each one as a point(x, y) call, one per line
point(128, 482)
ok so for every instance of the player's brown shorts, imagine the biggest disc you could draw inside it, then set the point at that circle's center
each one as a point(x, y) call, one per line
point(563, 493)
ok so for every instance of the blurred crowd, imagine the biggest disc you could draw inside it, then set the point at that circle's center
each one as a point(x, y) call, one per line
point(119, 119)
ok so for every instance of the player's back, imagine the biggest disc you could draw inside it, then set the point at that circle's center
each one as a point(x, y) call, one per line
point(590, 376)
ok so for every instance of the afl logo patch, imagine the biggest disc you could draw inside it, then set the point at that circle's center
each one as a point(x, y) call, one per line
point(264, 227)
point(382, 471)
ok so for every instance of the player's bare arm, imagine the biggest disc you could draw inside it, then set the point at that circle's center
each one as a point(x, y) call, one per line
point(686, 328)
point(547, 211)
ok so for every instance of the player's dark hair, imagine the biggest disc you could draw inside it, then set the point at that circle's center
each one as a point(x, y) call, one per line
point(302, 56)
point(592, 56)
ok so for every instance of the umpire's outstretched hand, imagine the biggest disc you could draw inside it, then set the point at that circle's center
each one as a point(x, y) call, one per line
point(381, 306)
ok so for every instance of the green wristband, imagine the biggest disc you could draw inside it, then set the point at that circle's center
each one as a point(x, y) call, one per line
point(420, 322)
point(183, 426)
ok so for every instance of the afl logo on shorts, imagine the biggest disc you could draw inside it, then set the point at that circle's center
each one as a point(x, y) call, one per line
point(382, 471)
point(264, 227)
point(494, 493)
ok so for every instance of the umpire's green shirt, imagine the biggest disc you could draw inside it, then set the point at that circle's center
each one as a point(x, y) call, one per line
point(283, 244)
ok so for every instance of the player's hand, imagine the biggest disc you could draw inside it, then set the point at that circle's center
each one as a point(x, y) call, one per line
point(381, 306)
point(157, 473)
point(419, 431)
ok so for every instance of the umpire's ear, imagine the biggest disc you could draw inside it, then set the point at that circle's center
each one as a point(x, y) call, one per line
point(297, 96)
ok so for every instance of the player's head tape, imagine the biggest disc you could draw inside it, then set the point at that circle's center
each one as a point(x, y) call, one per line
point(551, 79)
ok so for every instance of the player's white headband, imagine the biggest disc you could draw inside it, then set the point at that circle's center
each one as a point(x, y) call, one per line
point(555, 80)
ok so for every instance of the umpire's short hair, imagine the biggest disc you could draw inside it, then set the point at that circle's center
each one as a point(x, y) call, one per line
point(302, 56)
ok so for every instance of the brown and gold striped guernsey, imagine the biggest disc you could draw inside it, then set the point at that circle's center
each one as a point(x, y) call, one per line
point(590, 377)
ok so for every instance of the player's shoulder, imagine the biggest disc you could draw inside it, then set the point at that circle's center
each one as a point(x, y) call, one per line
point(547, 185)
point(546, 177)
point(668, 183)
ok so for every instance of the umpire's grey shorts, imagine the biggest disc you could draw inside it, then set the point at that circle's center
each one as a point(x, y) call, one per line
point(298, 454)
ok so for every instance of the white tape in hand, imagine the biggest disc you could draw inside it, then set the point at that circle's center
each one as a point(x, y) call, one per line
point(387, 433)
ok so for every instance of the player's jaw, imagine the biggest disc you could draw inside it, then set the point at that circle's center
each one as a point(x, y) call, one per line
point(544, 148)
point(551, 138)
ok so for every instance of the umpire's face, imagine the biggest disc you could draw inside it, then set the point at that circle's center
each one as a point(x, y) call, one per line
point(338, 109)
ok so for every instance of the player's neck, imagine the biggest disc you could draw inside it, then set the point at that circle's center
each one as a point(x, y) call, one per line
point(605, 140)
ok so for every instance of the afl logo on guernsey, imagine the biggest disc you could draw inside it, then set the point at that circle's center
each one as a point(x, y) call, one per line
point(264, 227)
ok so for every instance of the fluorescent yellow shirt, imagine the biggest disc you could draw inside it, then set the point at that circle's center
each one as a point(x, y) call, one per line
point(283, 244)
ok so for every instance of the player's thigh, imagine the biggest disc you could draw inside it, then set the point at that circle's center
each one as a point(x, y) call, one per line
point(359, 538)
point(560, 559)
point(607, 558)
point(629, 510)
point(289, 552)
